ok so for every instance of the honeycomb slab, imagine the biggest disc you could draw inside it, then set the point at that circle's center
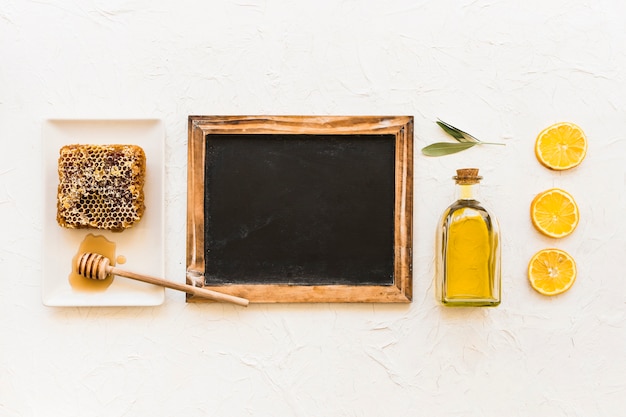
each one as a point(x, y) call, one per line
point(101, 186)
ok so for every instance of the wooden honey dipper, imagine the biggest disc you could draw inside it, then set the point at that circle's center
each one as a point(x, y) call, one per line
point(97, 267)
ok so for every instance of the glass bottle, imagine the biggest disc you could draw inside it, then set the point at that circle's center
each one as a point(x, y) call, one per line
point(468, 249)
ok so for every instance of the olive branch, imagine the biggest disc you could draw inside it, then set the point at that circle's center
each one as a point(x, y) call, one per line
point(463, 141)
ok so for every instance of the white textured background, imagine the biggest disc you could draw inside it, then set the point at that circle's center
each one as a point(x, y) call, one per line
point(502, 70)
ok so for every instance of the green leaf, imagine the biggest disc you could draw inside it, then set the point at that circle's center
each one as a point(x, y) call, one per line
point(456, 133)
point(450, 130)
point(446, 148)
point(464, 141)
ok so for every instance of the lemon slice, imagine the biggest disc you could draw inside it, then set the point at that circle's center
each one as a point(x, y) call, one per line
point(554, 213)
point(561, 146)
point(551, 271)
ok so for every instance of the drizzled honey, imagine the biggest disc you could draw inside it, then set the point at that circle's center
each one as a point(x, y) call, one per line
point(97, 244)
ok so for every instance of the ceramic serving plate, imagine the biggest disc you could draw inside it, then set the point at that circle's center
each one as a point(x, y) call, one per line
point(140, 245)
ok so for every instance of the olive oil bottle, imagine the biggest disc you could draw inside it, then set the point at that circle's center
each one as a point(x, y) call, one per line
point(468, 249)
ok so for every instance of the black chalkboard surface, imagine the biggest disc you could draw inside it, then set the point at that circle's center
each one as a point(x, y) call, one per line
point(301, 209)
point(310, 209)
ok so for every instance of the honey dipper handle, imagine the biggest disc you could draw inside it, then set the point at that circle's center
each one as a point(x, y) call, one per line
point(190, 289)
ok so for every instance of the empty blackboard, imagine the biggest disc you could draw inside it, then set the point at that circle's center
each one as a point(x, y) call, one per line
point(300, 208)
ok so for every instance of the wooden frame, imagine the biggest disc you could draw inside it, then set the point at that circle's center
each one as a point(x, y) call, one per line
point(401, 127)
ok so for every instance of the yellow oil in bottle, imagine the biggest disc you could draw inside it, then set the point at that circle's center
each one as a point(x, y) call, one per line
point(468, 249)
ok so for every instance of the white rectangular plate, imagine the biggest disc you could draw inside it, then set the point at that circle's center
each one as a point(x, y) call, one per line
point(142, 244)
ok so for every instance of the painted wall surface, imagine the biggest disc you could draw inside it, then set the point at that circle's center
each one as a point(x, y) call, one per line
point(502, 70)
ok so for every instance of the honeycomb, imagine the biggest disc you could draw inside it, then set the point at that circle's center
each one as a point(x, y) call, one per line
point(101, 186)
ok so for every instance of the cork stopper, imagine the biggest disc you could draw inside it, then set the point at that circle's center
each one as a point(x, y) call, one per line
point(466, 176)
